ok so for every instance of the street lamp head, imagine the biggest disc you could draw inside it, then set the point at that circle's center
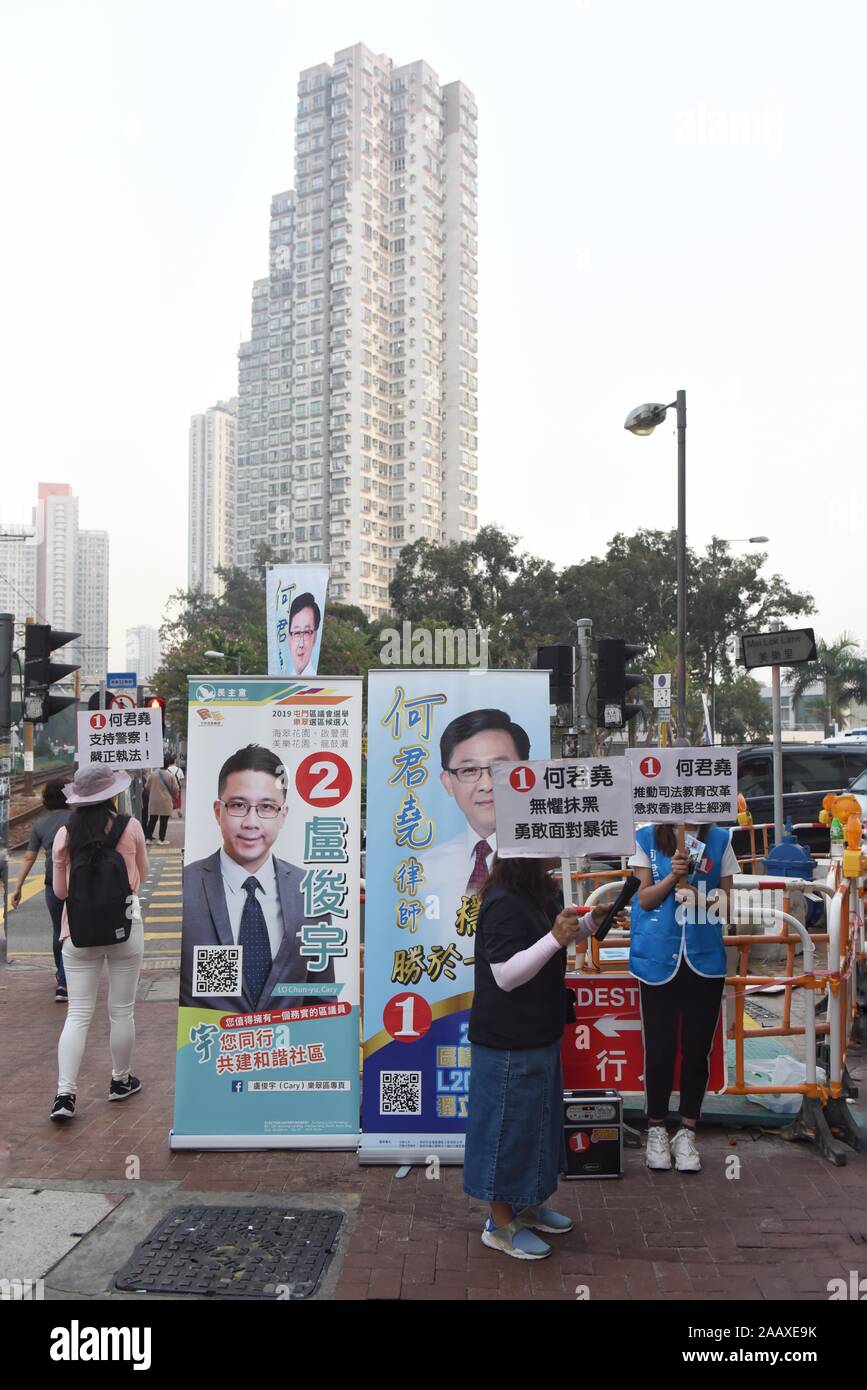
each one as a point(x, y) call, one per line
point(217, 655)
point(759, 540)
point(644, 418)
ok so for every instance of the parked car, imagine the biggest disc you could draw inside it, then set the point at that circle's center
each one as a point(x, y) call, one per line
point(810, 772)
point(858, 788)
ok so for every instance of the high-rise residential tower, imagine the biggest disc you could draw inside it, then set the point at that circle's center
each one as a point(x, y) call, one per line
point(213, 450)
point(91, 605)
point(143, 652)
point(357, 422)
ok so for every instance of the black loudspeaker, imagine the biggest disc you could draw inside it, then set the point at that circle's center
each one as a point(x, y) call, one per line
point(560, 663)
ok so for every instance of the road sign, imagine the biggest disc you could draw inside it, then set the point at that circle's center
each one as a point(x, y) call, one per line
point(662, 691)
point(121, 680)
point(605, 1047)
point(122, 700)
point(778, 648)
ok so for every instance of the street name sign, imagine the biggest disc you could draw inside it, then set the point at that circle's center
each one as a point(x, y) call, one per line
point(778, 648)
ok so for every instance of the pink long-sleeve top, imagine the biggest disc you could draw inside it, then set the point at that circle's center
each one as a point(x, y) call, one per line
point(131, 846)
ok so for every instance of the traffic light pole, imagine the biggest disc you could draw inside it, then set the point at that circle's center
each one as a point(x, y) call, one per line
point(28, 743)
point(584, 721)
point(7, 630)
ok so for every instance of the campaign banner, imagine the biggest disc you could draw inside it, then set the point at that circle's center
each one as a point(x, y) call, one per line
point(433, 738)
point(671, 786)
point(268, 1016)
point(564, 808)
point(126, 738)
point(294, 605)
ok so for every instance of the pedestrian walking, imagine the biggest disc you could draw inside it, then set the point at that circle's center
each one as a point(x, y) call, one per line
point(178, 773)
point(99, 860)
point(515, 1148)
point(677, 954)
point(42, 835)
point(162, 789)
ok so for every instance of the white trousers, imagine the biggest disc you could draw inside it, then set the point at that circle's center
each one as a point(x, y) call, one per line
point(83, 966)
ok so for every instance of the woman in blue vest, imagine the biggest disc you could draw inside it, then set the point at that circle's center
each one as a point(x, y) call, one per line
point(678, 956)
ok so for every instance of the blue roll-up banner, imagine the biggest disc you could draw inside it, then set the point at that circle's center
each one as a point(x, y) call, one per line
point(432, 737)
point(268, 1017)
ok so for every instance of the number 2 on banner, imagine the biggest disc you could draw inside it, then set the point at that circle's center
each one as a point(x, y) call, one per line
point(323, 779)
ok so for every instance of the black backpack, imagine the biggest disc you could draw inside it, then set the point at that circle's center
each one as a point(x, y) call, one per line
point(98, 905)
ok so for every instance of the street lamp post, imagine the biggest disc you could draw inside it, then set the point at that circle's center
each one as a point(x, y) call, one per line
point(644, 420)
point(221, 656)
point(725, 540)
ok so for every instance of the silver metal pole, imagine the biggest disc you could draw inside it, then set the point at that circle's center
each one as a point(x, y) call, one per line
point(777, 710)
point(584, 721)
point(682, 729)
point(7, 633)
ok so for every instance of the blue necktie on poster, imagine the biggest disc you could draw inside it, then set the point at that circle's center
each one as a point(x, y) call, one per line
point(253, 938)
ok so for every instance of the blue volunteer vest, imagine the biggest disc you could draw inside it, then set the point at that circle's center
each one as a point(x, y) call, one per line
point(657, 937)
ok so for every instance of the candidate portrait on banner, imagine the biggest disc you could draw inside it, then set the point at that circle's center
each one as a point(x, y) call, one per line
point(295, 603)
point(244, 896)
point(469, 746)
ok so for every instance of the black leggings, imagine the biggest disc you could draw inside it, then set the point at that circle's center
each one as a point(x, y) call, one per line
point(694, 1001)
point(151, 827)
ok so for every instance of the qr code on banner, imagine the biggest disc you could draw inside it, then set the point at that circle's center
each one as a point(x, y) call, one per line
point(400, 1093)
point(217, 970)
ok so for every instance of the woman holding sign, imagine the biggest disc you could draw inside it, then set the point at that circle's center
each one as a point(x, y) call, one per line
point(677, 954)
point(514, 1148)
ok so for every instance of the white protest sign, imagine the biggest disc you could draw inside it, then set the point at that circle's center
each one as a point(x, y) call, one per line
point(129, 739)
point(676, 785)
point(563, 808)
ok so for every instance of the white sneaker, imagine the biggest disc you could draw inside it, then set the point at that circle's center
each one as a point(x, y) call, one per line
point(658, 1151)
point(686, 1157)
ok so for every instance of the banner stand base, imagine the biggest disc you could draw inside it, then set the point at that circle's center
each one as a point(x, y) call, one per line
point(400, 1157)
point(250, 1143)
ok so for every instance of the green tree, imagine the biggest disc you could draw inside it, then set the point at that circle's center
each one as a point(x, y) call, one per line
point(841, 670)
point(743, 715)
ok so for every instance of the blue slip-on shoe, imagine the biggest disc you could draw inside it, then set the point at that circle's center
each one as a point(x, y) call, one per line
point(514, 1240)
point(544, 1219)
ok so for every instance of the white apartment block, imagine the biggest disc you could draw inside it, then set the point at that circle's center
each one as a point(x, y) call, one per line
point(91, 606)
point(18, 574)
point(56, 521)
point(143, 654)
point(212, 457)
point(357, 427)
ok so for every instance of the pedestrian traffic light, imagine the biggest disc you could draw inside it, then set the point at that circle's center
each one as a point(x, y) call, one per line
point(156, 702)
point(40, 672)
point(613, 682)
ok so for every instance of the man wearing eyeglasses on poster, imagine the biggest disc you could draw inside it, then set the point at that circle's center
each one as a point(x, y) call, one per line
point(469, 746)
point(243, 895)
point(304, 619)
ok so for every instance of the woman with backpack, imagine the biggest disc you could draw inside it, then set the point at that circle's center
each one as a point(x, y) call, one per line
point(99, 860)
point(162, 790)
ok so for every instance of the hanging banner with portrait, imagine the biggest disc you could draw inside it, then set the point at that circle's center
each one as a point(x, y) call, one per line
point(433, 736)
point(294, 607)
point(268, 1018)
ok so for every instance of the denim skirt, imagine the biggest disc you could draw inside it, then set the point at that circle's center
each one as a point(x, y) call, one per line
point(515, 1148)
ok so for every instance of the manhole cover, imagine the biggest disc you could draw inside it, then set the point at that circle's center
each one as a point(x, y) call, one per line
point(236, 1252)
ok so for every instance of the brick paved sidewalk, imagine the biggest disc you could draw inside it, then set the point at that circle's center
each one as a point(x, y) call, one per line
point(786, 1226)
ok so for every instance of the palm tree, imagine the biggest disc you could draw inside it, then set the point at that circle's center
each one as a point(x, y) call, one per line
point(841, 671)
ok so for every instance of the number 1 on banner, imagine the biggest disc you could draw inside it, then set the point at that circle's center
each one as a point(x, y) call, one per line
point(406, 1030)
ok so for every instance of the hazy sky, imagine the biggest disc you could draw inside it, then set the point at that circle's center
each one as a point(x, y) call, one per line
point(671, 195)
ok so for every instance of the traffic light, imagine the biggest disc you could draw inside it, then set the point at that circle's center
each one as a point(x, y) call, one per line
point(156, 702)
point(559, 662)
point(613, 682)
point(40, 672)
point(110, 701)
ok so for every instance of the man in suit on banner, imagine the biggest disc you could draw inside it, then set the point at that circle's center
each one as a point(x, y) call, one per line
point(243, 896)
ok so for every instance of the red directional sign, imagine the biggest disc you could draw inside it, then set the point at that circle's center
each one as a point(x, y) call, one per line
point(605, 1047)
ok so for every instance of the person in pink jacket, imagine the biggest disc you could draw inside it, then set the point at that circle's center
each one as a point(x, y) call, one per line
point(91, 795)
